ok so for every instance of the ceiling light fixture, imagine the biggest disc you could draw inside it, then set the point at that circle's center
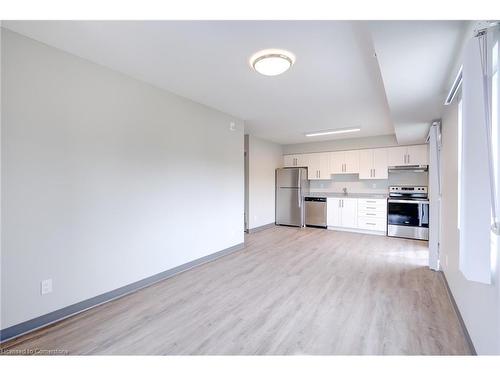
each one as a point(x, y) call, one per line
point(272, 62)
point(328, 132)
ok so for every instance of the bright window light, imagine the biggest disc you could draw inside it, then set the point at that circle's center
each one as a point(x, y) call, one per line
point(459, 157)
point(495, 83)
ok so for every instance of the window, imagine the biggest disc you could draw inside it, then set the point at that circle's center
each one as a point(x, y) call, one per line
point(459, 160)
point(495, 141)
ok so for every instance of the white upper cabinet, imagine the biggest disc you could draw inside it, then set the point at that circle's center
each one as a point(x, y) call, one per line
point(380, 166)
point(373, 164)
point(318, 166)
point(418, 155)
point(297, 160)
point(289, 160)
point(410, 155)
point(351, 161)
point(337, 162)
point(396, 156)
point(343, 162)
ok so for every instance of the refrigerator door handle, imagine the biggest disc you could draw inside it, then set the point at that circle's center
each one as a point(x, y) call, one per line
point(299, 193)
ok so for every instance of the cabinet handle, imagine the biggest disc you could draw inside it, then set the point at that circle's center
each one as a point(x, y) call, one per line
point(371, 208)
point(370, 214)
point(371, 202)
point(371, 223)
point(342, 203)
point(374, 172)
point(339, 202)
point(408, 158)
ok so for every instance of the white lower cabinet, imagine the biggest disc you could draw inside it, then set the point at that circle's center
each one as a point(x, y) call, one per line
point(357, 214)
point(342, 212)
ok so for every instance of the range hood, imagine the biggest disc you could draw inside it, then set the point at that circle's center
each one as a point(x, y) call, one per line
point(412, 168)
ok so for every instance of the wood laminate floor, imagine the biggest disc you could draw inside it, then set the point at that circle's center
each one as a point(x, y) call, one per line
point(290, 291)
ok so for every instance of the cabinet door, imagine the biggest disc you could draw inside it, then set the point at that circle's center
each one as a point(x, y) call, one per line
point(324, 166)
point(380, 164)
point(333, 212)
point(396, 156)
point(349, 213)
point(336, 162)
point(365, 164)
point(418, 155)
point(302, 160)
point(289, 160)
point(313, 166)
point(351, 161)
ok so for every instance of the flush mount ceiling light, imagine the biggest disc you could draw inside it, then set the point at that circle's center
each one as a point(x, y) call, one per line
point(337, 131)
point(272, 62)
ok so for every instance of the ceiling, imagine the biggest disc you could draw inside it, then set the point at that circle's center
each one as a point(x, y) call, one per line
point(336, 82)
point(416, 59)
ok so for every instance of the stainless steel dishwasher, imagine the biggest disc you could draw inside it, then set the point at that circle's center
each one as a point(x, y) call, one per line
point(315, 208)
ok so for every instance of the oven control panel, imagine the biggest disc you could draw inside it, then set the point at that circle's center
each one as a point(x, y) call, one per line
point(408, 189)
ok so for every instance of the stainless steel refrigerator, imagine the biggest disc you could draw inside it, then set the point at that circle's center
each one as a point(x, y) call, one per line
point(291, 186)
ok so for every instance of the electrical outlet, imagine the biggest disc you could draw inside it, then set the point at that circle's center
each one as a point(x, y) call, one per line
point(232, 126)
point(46, 286)
point(374, 186)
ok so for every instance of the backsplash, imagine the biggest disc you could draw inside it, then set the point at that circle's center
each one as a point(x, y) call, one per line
point(355, 185)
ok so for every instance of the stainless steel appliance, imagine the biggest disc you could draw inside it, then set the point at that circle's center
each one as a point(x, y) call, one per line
point(315, 211)
point(291, 186)
point(408, 212)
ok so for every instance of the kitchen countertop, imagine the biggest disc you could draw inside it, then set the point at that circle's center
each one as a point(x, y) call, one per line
point(348, 195)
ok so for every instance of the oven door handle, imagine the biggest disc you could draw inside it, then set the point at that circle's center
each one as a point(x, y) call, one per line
point(420, 214)
point(406, 201)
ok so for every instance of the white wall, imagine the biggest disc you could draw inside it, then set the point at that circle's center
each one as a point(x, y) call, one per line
point(478, 303)
point(105, 179)
point(263, 159)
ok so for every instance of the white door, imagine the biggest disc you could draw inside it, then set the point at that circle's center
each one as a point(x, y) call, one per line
point(380, 164)
point(396, 156)
point(333, 212)
point(365, 164)
point(351, 161)
point(337, 162)
point(418, 155)
point(349, 212)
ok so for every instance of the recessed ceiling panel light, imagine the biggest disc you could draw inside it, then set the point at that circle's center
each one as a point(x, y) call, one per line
point(272, 62)
point(336, 131)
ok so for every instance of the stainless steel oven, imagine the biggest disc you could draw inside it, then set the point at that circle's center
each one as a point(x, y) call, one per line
point(408, 212)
